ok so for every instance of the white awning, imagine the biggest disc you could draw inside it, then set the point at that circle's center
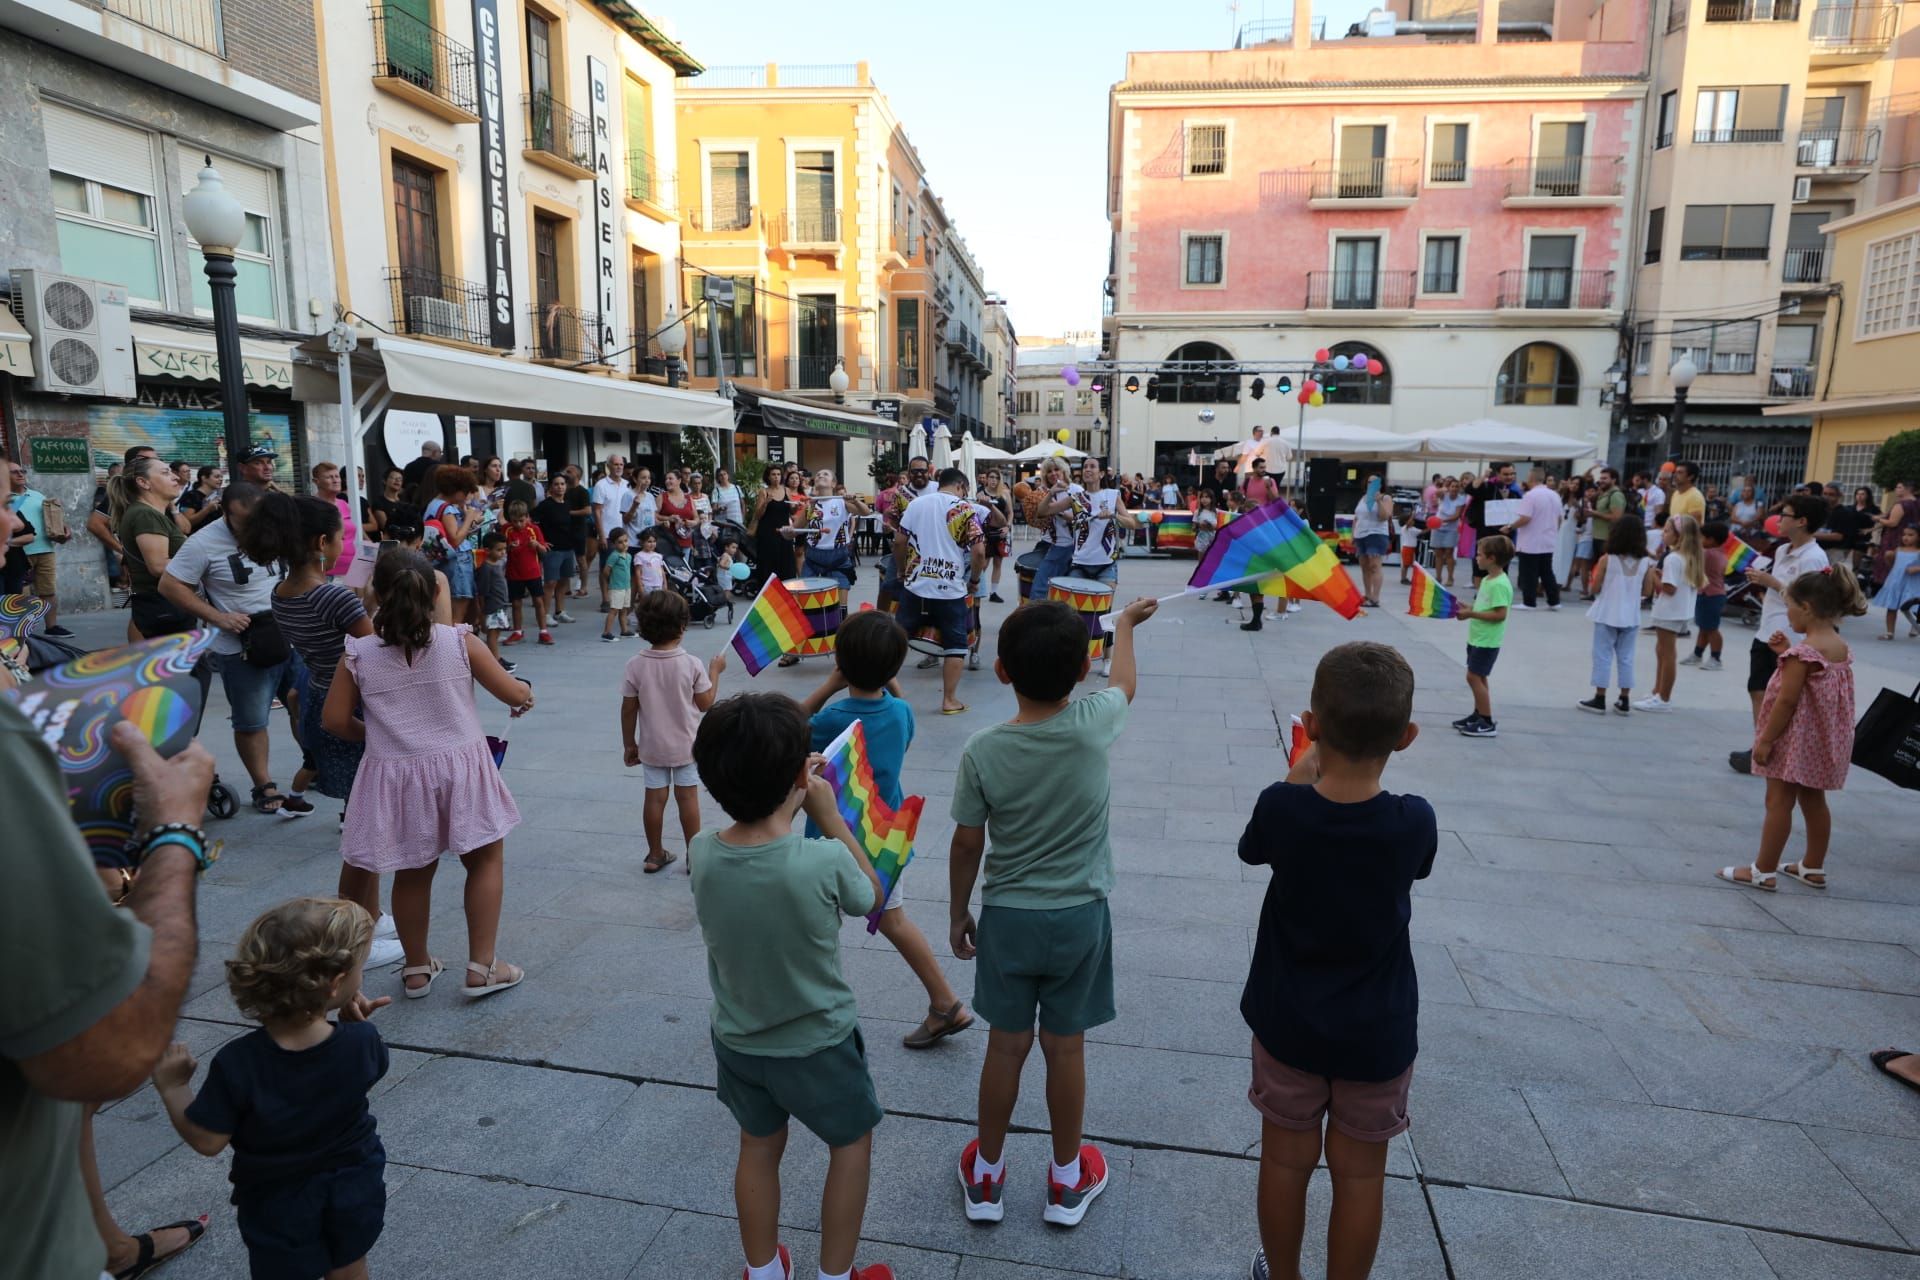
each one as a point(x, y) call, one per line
point(1493, 439)
point(161, 352)
point(16, 347)
point(1046, 449)
point(443, 379)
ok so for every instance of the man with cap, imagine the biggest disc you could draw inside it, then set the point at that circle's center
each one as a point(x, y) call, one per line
point(256, 466)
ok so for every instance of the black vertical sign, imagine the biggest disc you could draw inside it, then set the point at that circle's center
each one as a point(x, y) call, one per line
point(493, 174)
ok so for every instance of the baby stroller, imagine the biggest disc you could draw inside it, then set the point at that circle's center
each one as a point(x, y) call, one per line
point(725, 531)
point(690, 572)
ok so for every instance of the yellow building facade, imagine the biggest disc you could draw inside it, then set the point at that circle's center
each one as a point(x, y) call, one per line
point(1867, 391)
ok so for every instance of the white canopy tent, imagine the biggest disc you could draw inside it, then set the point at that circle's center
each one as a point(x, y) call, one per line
point(1491, 438)
point(1046, 449)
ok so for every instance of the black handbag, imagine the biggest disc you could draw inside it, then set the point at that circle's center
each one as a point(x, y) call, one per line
point(154, 615)
point(1887, 739)
point(263, 644)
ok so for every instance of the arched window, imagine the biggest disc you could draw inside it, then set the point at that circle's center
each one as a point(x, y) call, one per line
point(1191, 386)
point(1538, 373)
point(1351, 387)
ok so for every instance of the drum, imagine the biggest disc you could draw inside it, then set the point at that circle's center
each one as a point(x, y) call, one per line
point(824, 601)
point(1024, 567)
point(927, 639)
point(1089, 599)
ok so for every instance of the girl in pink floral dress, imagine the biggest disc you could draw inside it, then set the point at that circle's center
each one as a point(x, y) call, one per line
point(1805, 740)
point(427, 783)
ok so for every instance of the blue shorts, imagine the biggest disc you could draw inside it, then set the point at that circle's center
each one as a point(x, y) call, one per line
point(1707, 611)
point(303, 1228)
point(1480, 660)
point(949, 617)
point(250, 689)
point(559, 565)
point(1374, 544)
point(1057, 563)
point(830, 562)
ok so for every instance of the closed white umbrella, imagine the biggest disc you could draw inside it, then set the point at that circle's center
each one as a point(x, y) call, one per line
point(917, 441)
point(942, 455)
point(968, 462)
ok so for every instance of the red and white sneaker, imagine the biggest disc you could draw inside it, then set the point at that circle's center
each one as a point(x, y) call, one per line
point(983, 1194)
point(1067, 1205)
point(878, 1271)
point(546, 637)
point(786, 1265)
point(514, 637)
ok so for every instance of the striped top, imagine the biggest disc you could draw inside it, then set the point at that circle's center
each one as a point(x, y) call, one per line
point(315, 624)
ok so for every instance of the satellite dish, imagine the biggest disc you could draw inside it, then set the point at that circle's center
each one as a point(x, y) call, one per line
point(1657, 427)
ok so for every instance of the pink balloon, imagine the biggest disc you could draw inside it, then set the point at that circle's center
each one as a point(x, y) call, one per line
point(1309, 386)
point(1376, 367)
point(1305, 395)
point(1322, 356)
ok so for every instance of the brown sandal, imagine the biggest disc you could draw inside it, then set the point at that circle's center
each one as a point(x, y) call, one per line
point(929, 1033)
point(665, 860)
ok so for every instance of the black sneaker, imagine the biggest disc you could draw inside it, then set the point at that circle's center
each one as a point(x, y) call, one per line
point(509, 666)
point(1740, 761)
point(994, 597)
point(57, 630)
point(1251, 626)
point(1597, 705)
point(1259, 1269)
point(1466, 720)
point(1478, 728)
point(1621, 707)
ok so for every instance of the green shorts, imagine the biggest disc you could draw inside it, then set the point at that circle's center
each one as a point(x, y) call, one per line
point(1058, 964)
point(829, 1091)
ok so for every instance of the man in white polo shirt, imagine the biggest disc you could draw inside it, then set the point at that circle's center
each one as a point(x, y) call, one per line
point(940, 550)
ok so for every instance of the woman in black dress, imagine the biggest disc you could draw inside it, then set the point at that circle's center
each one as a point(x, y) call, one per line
point(772, 548)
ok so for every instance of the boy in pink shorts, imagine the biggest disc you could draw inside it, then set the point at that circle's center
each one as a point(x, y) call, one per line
point(1331, 996)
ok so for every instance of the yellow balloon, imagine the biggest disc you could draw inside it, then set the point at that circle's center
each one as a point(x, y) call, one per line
point(1063, 435)
point(1318, 399)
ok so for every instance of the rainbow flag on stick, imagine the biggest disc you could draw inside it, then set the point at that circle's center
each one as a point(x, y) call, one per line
point(884, 834)
point(774, 625)
point(1431, 600)
point(1740, 556)
point(1271, 551)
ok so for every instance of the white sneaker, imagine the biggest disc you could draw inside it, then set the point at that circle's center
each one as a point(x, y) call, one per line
point(1106, 668)
point(1518, 605)
point(383, 927)
point(1653, 704)
point(385, 951)
point(1711, 664)
point(1553, 608)
point(1691, 660)
point(1292, 607)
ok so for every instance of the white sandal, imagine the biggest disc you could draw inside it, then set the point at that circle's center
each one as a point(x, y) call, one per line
point(488, 986)
point(1800, 872)
point(1762, 880)
point(430, 970)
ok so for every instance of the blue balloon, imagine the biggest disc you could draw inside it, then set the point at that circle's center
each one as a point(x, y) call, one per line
point(741, 572)
point(1340, 362)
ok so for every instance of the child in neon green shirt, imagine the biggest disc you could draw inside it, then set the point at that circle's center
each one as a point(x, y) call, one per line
point(1486, 627)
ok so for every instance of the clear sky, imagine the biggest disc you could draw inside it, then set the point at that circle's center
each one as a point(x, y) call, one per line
point(1006, 101)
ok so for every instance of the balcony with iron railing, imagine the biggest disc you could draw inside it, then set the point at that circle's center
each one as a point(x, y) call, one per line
point(1720, 136)
point(1555, 289)
point(1380, 183)
point(646, 183)
point(429, 304)
point(1274, 31)
point(1793, 381)
point(811, 373)
point(569, 335)
point(558, 136)
point(191, 22)
point(811, 228)
point(1805, 265)
point(906, 375)
point(413, 61)
point(1837, 149)
point(1751, 10)
point(1843, 31)
point(1565, 180)
point(1360, 290)
point(722, 219)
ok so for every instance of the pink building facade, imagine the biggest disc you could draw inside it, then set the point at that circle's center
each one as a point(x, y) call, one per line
point(1459, 207)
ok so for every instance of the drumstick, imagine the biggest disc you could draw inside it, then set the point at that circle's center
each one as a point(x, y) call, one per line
point(1107, 620)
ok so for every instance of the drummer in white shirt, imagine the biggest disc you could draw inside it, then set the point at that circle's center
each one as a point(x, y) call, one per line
point(829, 529)
point(940, 549)
point(1097, 517)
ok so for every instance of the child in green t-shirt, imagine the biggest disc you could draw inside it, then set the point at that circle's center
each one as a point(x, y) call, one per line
point(1486, 627)
point(786, 1036)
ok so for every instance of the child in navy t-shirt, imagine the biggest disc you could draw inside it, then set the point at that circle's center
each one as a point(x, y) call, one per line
point(291, 1097)
point(1331, 996)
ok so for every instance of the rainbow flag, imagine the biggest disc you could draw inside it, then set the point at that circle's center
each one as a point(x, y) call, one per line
point(1273, 546)
point(1174, 531)
point(884, 834)
point(1431, 600)
point(1740, 556)
point(775, 625)
point(1343, 532)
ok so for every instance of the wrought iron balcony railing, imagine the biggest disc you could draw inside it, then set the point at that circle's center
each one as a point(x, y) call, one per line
point(906, 376)
point(1842, 28)
point(1752, 10)
point(557, 130)
point(569, 334)
point(429, 304)
point(1737, 135)
point(1359, 290)
point(810, 373)
point(815, 226)
point(1837, 148)
point(407, 49)
point(646, 182)
point(1805, 266)
point(1566, 177)
point(194, 22)
point(1365, 179)
point(1555, 288)
point(1793, 379)
point(727, 217)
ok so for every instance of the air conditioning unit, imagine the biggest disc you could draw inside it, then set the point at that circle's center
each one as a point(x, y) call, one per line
point(434, 318)
point(82, 333)
point(1802, 190)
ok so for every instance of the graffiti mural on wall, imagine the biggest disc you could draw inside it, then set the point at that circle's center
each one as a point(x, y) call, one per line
point(196, 436)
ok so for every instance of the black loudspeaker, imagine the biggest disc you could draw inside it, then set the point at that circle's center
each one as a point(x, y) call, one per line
point(1323, 490)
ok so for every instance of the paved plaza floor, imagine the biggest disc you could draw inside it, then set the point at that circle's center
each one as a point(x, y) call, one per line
point(1626, 1069)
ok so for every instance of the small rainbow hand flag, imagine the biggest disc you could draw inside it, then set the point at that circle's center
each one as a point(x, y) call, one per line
point(1343, 532)
point(1740, 556)
point(1270, 550)
point(1431, 600)
point(884, 834)
point(775, 625)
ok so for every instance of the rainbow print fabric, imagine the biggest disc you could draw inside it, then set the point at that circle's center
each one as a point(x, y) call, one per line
point(1174, 531)
point(1740, 556)
point(1273, 545)
point(1429, 599)
point(775, 625)
point(884, 834)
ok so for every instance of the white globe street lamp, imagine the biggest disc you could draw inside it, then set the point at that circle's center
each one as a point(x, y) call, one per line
point(218, 222)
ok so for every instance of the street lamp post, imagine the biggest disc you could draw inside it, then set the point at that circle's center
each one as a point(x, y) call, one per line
point(216, 220)
point(673, 340)
point(838, 381)
point(1683, 373)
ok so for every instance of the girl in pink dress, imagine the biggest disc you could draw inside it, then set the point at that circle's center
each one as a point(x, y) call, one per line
point(1805, 739)
point(427, 783)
